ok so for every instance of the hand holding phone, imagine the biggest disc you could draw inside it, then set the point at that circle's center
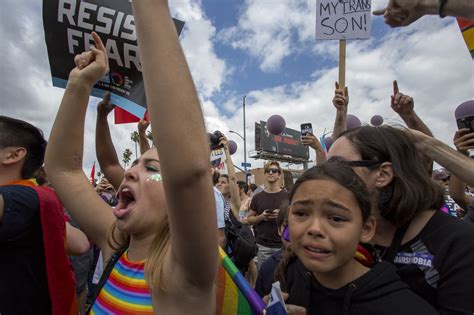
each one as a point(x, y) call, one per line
point(269, 214)
point(466, 123)
point(306, 128)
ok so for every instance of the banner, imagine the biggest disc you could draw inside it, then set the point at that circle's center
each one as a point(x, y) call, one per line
point(276, 306)
point(343, 19)
point(218, 160)
point(68, 25)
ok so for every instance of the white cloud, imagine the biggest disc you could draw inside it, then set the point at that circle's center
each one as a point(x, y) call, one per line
point(272, 30)
point(208, 70)
point(429, 60)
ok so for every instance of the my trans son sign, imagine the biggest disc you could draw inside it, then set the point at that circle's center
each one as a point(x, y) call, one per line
point(343, 19)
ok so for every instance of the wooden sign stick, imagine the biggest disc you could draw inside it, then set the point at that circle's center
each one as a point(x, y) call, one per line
point(342, 64)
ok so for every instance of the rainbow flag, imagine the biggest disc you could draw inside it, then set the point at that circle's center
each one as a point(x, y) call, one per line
point(235, 296)
point(323, 144)
point(467, 29)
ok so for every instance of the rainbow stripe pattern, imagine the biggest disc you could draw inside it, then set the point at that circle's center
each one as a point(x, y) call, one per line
point(235, 296)
point(125, 291)
point(467, 29)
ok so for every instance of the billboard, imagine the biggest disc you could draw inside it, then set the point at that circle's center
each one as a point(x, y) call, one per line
point(287, 143)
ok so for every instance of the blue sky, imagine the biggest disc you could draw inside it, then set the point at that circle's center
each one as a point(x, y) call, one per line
point(297, 67)
point(265, 49)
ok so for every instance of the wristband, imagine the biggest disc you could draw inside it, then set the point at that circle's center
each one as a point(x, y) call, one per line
point(442, 4)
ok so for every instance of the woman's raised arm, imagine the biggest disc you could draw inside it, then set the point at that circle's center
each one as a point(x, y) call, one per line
point(63, 160)
point(181, 140)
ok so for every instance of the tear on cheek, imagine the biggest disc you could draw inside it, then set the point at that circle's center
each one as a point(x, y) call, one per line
point(154, 178)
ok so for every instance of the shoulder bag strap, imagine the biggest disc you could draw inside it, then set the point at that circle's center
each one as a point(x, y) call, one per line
point(105, 275)
point(396, 242)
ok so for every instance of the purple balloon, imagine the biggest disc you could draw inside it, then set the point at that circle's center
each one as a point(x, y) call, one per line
point(466, 109)
point(328, 142)
point(276, 124)
point(376, 120)
point(353, 122)
point(232, 147)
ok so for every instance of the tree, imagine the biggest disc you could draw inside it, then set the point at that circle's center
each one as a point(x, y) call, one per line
point(135, 138)
point(127, 154)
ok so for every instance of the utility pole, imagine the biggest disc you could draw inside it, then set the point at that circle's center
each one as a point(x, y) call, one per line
point(245, 143)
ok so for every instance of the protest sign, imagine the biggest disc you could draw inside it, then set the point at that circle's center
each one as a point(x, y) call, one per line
point(68, 25)
point(218, 160)
point(276, 306)
point(343, 19)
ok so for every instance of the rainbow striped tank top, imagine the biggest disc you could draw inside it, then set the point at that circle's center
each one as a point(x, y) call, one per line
point(125, 291)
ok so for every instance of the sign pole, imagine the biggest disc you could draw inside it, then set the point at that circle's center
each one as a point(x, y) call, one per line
point(342, 64)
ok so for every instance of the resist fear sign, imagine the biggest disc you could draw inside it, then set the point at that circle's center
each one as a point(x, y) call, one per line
point(68, 25)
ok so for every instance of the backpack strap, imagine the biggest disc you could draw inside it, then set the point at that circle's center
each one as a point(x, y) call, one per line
point(105, 275)
point(396, 242)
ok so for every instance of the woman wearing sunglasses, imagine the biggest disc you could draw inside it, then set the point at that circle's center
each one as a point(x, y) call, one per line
point(432, 251)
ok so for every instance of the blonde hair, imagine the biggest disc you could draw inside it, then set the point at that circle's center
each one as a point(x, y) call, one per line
point(156, 254)
point(268, 164)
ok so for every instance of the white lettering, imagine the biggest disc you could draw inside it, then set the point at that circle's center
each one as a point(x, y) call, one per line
point(105, 20)
point(129, 58)
point(112, 52)
point(71, 41)
point(118, 22)
point(83, 15)
point(129, 25)
point(88, 41)
point(412, 259)
point(68, 12)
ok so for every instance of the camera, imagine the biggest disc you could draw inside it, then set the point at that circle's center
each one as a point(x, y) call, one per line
point(214, 140)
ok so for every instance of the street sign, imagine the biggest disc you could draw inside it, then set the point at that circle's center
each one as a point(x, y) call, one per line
point(246, 165)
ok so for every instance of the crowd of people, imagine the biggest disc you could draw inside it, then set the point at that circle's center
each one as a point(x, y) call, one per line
point(370, 229)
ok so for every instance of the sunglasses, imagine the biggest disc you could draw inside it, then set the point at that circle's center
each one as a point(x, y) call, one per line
point(272, 171)
point(363, 163)
point(360, 163)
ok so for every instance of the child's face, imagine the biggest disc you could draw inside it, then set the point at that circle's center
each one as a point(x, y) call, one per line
point(326, 226)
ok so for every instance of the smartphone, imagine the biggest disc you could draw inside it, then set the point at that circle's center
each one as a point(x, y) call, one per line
point(306, 128)
point(466, 122)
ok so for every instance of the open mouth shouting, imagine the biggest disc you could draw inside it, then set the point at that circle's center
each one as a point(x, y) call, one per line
point(126, 202)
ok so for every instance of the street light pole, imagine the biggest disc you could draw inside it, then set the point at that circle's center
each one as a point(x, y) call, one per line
point(245, 144)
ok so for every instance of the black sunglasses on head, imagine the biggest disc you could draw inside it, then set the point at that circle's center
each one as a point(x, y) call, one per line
point(360, 163)
point(363, 163)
